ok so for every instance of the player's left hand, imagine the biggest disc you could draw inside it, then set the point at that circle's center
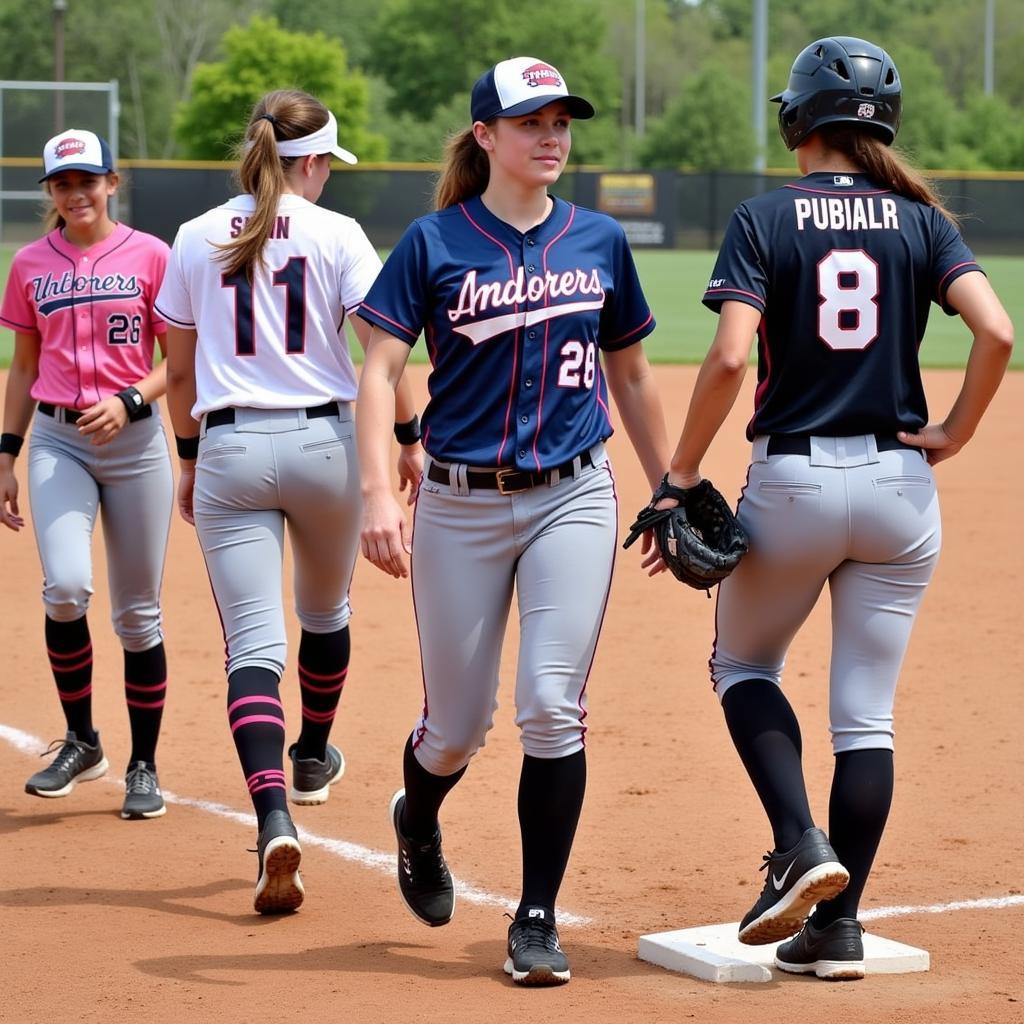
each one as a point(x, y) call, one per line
point(410, 470)
point(186, 489)
point(103, 421)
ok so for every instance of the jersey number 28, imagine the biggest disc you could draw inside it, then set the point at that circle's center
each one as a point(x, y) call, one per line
point(292, 277)
point(848, 289)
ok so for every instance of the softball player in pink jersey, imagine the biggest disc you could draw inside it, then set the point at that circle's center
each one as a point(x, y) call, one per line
point(256, 294)
point(80, 301)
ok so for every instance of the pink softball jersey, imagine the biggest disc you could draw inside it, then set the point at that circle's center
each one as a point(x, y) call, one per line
point(92, 309)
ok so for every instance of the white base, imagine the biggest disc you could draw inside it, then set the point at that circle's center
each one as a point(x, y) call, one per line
point(713, 953)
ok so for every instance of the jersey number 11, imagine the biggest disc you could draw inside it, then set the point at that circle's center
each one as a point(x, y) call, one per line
point(292, 277)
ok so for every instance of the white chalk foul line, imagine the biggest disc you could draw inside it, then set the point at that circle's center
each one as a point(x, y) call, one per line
point(989, 903)
point(353, 852)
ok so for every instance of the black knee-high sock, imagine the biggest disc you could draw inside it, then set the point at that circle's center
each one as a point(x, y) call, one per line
point(550, 800)
point(323, 667)
point(69, 648)
point(424, 794)
point(767, 738)
point(145, 688)
point(257, 725)
point(857, 812)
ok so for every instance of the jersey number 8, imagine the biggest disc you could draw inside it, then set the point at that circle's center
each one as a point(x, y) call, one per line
point(848, 289)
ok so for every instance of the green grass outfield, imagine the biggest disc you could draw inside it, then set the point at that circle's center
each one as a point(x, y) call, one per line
point(674, 282)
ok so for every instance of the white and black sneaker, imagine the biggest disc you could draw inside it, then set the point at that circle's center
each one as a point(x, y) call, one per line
point(76, 761)
point(835, 953)
point(534, 954)
point(423, 877)
point(312, 779)
point(278, 885)
point(795, 881)
point(142, 796)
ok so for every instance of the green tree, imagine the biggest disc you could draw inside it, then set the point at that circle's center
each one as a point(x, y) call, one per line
point(706, 128)
point(262, 56)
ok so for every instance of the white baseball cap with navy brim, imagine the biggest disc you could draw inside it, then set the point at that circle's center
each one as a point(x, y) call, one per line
point(76, 150)
point(521, 85)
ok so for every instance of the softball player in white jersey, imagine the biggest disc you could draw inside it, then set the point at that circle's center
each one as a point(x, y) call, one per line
point(256, 295)
point(80, 301)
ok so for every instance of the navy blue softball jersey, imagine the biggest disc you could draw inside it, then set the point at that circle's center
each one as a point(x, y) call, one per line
point(513, 323)
point(843, 272)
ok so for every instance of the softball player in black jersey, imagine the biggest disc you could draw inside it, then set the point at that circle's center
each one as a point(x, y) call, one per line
point(835, 275)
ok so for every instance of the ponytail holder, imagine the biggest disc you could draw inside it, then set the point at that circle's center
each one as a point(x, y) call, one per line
point(268, 117)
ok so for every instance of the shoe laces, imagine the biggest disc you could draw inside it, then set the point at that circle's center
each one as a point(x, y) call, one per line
point(536, 933)
point(425, 862)
point(140, 780)
point(68, 751)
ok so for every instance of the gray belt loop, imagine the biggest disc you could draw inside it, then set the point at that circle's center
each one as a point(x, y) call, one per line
point(303, 419)
point(759, 449)
point(202, 427)
point(554, 477)
point(458, 479)
point(577, 468)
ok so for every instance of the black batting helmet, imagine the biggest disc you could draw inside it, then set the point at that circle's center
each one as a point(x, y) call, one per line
point(841, 79)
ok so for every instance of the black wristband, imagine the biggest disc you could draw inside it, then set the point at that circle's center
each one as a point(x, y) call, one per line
point(133, 402)
point(10, 444)
point(188, 447)
point(408, 433)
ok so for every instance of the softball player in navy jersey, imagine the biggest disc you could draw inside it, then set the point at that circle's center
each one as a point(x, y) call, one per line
point(80, 301)
point(516, 292)
point(835, 274)
point(256, 295)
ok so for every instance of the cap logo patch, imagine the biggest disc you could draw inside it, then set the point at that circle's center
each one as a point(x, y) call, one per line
point(541, 74)
point(68, 147)
point(866, 110)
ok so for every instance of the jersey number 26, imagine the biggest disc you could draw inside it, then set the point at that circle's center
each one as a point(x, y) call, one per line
point(292, 277)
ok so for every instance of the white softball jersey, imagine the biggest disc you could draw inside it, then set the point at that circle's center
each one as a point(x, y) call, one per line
point(278, 342)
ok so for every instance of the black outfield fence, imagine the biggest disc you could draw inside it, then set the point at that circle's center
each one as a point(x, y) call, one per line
point(661, 209)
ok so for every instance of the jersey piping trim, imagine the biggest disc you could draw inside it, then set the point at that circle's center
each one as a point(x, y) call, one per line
point(377, 313)
point(840, 191)
point(737, 291)
point(959, 266)
point(515, 343)
point(629, 334)
point(173, 319)
point(547, 334)
point(24, 328)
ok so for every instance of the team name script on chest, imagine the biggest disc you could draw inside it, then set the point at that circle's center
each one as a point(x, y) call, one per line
point(476, 299)
point(846, 213)
point(54, 293)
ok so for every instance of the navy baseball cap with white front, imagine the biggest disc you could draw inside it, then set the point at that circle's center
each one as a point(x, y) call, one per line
point(520, 86)
point(76, 150)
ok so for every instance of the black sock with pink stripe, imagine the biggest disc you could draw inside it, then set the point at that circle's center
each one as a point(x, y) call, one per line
point(145, 687)
point(69, 648)
point(256, 718)
point(323, 666)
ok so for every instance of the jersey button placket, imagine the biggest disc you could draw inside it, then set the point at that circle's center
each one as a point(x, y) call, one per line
point(531, 352)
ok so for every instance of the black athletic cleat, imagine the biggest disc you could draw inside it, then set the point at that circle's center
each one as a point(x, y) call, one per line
point(142, 796)
point(534, 955)
point(835, 953)
point(312, 779)
point(795, 881)
point(423, 877)
point(75, 762)
point(278, 885)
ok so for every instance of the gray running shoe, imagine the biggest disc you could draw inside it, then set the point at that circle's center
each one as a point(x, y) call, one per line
point(142, 796)
point(312, 779)
point(835, 953)
point(534, 954)
point(75, 762)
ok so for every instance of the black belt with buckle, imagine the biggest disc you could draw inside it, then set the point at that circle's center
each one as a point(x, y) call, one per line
point(507, 480)
point(73, 415)
point(221, 417)
point(800, 444)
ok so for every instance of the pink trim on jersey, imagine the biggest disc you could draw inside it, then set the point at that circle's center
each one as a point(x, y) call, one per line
point(547, 333)
point(242, 701)
point(405, 330)
point(629, 334)
point(515, 342)
point(840, 191)
point(959, 266)
point(737, 291)
point(92, 309)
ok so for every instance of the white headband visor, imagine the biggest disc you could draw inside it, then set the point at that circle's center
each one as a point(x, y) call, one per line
point(325, 140)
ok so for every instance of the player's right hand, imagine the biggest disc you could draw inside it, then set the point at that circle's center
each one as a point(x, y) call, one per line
point(938, 445)
point(9, 500)
point(186, 488)
point(385, 537)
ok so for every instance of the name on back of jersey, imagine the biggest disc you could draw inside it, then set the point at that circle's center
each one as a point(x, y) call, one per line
point(282, 227)
point(846, 213)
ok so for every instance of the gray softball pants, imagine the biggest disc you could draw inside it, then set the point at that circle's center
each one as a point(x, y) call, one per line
point(268, 468)
point(866, 523)
point(70, 480)
point(554, 545)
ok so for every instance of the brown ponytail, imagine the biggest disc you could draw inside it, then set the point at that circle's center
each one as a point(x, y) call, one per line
point(465, 173)
point(884, 165)
point(261, 171)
